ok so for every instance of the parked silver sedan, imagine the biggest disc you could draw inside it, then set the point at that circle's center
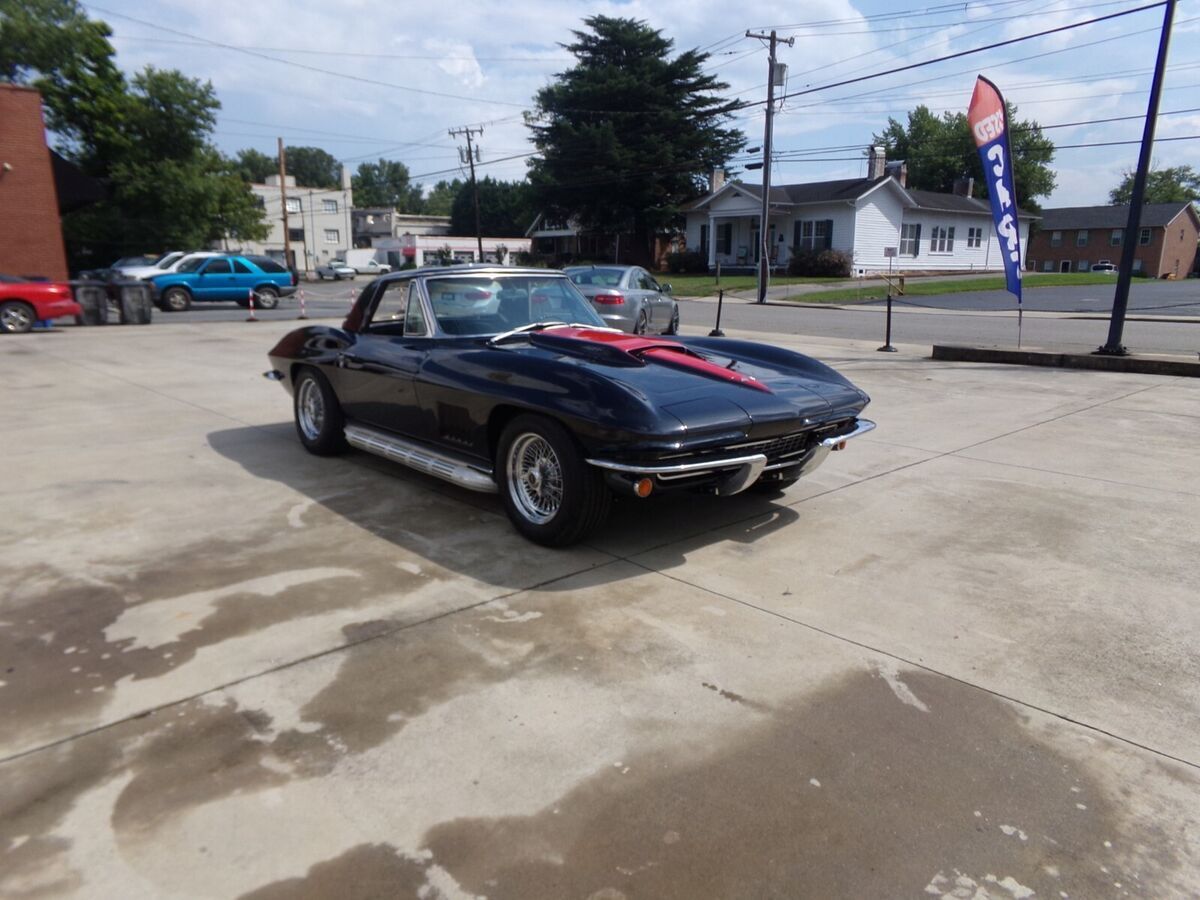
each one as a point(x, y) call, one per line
point(336, 269)
point(628, 297)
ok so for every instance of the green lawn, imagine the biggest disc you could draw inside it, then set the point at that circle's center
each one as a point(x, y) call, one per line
point(847, 289)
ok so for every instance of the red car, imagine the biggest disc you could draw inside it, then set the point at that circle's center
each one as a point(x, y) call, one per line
point(24, 303)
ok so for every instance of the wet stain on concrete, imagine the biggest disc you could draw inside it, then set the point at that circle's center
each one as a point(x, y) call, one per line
point(844, 793)
point(365, 872)
point(735, 698)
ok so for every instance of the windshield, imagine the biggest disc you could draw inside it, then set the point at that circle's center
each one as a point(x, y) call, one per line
point(191, 265)
point(167, 260)
point(487, 304)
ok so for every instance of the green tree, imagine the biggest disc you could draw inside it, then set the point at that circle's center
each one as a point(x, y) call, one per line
point(628, 134)
point(254, 166)
point(313, 167)
point(386, 183)
point(940, 150)
point(505, 209)
point(440, 200)
point(1177, 184)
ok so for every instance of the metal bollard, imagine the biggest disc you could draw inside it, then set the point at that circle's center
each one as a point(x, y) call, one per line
point(717, 332)
point(251, 317)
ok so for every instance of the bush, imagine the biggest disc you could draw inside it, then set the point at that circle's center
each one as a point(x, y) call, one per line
point(687, 262)
point(820, 263)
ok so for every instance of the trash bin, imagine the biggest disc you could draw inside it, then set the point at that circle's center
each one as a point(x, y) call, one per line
point(134, 303)
point(93, 297)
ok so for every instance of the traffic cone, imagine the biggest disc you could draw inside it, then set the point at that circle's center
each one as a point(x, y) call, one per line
point(303, 313)
point(251, 317)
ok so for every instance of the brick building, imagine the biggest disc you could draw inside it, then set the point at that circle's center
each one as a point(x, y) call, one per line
point(31, 241)
point(1073, 239)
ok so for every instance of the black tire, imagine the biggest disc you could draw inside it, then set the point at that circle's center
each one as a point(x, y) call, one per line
point(321, 276)
point(673, 328)
point(16, 317)
point(551, 495)
point(266, 297)
point(642, 323)
point(320, 424)
point(176, 299)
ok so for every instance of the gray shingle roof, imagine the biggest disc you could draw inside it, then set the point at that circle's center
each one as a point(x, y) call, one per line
point(1068, 217)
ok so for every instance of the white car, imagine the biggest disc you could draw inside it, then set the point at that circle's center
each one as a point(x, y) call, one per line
point(168, 263)
point(372, 267)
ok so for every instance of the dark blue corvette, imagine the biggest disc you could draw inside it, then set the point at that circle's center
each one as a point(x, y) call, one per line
point(506, 379)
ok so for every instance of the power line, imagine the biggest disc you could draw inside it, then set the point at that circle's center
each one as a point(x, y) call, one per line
point(201, 42)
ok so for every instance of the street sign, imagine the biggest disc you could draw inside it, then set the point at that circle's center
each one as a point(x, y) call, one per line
point(889, 252)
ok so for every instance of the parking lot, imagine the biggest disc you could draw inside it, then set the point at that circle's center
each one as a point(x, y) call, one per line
point(958, 661)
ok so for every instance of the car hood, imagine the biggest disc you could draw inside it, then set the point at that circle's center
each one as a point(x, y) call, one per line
point(751, 386)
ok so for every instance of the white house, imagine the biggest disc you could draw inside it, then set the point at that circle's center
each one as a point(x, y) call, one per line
point(319, 225)
point(859, 216)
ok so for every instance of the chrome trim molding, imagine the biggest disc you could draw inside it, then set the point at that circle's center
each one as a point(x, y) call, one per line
point(421, 458)
point(861, 427)
point(678, 470)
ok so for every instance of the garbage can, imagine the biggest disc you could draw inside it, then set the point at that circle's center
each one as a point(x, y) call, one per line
point(93, 297)
point(134, 303)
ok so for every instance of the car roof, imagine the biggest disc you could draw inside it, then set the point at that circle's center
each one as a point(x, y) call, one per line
point(471, 269)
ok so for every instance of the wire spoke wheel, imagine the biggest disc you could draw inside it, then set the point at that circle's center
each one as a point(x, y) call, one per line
point(535, 478)
point(310, 409)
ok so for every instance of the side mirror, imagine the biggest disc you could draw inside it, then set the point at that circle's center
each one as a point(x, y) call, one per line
point(664, 288)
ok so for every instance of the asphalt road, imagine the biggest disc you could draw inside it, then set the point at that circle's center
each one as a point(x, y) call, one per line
point(1065, 317)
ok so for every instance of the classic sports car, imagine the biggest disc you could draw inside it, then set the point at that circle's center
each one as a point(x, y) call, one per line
point(24, 303)
point(506, 379)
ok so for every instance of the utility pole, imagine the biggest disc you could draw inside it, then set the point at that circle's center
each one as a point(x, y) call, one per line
point(472, 155)
point(1113, 346)
point(287, 240)
point(764, 249)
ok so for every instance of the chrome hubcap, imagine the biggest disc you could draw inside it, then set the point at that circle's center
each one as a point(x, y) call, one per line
point(535, 479)
point(310, 409)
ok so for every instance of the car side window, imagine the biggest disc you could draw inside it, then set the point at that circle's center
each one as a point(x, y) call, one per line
point(241, 268)
point(217, 267)
point(648, 282)
point(390, 309)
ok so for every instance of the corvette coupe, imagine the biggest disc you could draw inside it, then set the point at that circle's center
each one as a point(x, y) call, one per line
point(506, 380)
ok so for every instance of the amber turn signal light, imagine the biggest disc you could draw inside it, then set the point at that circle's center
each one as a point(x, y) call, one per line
point(643, 487)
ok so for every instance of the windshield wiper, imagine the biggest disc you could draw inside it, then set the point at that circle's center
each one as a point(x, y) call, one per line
point(532, 326)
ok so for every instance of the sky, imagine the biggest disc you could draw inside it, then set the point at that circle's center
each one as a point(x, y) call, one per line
point(369, 80)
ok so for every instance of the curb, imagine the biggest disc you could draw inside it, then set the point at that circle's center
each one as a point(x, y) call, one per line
point(1144, 365)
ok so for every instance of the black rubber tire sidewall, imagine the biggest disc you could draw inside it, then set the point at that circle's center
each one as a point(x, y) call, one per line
point(586, 498)
point(673, 328)
point(642, 325)
point(332, 438)
point(32, 317)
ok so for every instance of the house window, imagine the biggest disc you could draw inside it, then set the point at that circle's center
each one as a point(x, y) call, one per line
point(1081, 238)
point(974, 237)
point(813, 234)
point(329, 206)
point(1114, 239)
point(293, 204)
point(1048, 266)
point(941, 239)
point(725, 238)
point(1137, 265)
point(296, 234)
point(910, 240)
point(1084, 265)
point(331, 235)
point(1144, 237)
point(1056, 239)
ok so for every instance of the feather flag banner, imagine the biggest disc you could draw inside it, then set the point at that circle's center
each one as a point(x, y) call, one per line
point(988, 119)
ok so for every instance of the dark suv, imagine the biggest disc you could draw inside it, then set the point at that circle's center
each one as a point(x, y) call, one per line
point(224, 278)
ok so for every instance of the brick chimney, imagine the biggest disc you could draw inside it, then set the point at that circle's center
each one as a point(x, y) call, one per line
point(965, 186)
point(716, 180)
point(876, 162)
point(899, 171)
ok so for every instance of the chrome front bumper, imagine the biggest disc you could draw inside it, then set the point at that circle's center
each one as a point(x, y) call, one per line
point(745, 469)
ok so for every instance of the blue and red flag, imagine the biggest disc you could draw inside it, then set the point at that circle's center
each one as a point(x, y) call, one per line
point(988, 118)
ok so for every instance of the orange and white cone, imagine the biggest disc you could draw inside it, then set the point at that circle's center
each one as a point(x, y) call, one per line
point(251, 317)
point(303, 313)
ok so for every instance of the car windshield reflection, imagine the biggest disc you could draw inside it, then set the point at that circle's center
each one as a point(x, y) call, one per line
point(487, 305)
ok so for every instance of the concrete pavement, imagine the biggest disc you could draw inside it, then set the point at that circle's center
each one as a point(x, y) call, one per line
point(959, 660)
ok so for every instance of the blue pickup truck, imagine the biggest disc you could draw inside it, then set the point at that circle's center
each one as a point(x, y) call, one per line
point(224, 278)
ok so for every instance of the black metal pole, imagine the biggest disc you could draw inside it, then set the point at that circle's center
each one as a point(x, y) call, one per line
point(717, 332)
point(887, 340)
point(1114, 347)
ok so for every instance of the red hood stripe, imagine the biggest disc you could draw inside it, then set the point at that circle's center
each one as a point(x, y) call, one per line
point(667, 353)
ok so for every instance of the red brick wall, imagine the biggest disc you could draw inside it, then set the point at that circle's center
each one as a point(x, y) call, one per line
point(31, 240)
point(1179, 246)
